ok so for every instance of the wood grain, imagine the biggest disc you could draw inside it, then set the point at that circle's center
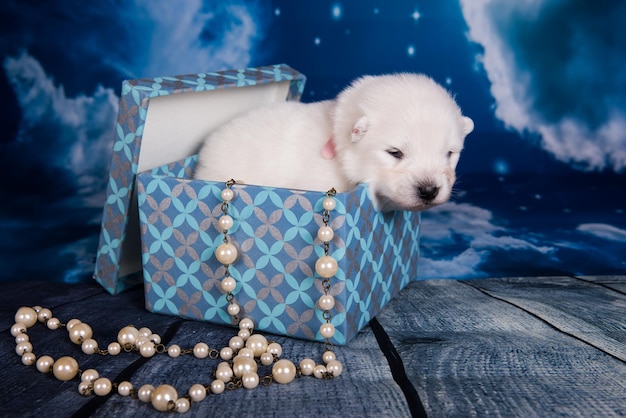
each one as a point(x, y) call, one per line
point(366, 388)
point(527, 347)
point(514, 347)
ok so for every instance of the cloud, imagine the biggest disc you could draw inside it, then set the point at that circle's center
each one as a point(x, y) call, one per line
point(59, 159)
point(72, 134)
point(107, 41)
point(457, 240)
point(196, 36)
point(556, 69)
point(608, 232)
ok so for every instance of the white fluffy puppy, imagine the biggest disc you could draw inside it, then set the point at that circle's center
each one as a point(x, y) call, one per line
point(401, 134)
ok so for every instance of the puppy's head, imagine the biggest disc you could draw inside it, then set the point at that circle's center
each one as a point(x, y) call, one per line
point(403, 135)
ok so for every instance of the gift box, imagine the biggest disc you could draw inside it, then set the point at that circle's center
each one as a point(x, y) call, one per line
point(161, 225)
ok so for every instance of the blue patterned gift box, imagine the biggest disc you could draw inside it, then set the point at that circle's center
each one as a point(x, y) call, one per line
point(160, 225)
point(276, 233)
point(118, 260)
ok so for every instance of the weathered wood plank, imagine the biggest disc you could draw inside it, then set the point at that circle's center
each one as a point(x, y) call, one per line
point(616, 283)
point(366, 388)
point(592, 313)
point(470, 354)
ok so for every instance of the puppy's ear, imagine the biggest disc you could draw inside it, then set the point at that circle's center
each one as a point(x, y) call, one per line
point(359, 129)
point(467, 124)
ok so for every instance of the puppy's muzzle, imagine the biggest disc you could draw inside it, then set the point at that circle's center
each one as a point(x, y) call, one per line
point(427, 193)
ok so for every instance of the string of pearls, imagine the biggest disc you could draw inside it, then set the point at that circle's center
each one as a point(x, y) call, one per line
point(227, 253)
point(240, 359)
point(326, 267)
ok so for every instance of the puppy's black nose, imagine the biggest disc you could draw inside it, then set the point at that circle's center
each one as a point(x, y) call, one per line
point(427, 193)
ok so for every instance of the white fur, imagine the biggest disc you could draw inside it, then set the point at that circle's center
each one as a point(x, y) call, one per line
point(406, 115)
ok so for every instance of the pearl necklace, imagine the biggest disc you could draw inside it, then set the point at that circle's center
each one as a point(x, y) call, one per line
point(241, 358)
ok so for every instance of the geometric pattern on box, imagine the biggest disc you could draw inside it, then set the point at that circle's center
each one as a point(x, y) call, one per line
point(134, 101)
point(275, 231)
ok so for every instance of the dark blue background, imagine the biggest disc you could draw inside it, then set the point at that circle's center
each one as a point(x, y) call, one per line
point(541, 181)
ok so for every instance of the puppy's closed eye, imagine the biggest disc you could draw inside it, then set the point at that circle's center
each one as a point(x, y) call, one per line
point(395, 153)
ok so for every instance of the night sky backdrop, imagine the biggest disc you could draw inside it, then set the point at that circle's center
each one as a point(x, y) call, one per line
point(541, 181)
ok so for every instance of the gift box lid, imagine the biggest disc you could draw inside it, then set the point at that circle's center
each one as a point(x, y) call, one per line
point(157, 124)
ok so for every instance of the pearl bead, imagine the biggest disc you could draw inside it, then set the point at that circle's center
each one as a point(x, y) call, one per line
point(334, 367)
point(235, 343)
point(226, 253)
point(217, 387)
point(319, 371)
point(224, 374)
point(327, 330)
point(197, 392)
point(141, 340)
point(144, 332)
point(246, 323)
point(65, 368)
point(114, 349)
point(155, 338)
point(162, 396)
point(89, 346)
point(275, 349)
point(147, 350)
point(243, 365)
point(44, 314)
point(28, 359)
point(125, 388)
point(23, 348)
point(244, 334)
point(228, 284)
point(70, 324)
point(225, 222)
point(326, 302)
point(53, 323)
point(267, 359)
point(283, 371)
point(127, 335)
point(329, 203)
point(18, 328)
point(227, 195)
point(26, 316)
point(325, 234)
point(44, 364)
point(226, 353)
point(37, 308)
point(201, 350)
point(182, 405)
point(145, 392)
point(102, 386)
point(328, 356)
point(80, 332)
point(250, 380)
point(306, 366)
point(89, 375)
point(22, 338)
point(326, 266)
point(85, 388)
point(245, 352)
point(173, 350)
point(233, 309)
point(258, 344)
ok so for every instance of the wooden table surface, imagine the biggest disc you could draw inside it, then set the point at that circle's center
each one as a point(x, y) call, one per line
point(541, 346)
